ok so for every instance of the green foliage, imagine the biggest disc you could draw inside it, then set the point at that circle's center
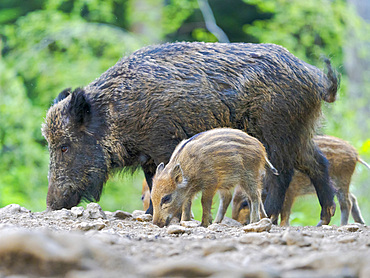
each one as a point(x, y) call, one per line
point(298, 26)
point(123, 192)
point(23, 160)
point(175, 13)
point(46, 51)
point(200, 34)
point(52, 51)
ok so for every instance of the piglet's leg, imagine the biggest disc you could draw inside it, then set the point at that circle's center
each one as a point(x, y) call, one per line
point(225, 199)
point(356, 213)
point(186, 211)
point(251, 187)
point(207, 198)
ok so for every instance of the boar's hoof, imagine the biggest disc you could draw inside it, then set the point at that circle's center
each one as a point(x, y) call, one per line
point(326, 215)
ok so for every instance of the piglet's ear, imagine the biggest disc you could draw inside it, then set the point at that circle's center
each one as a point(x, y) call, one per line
point(159, 168)
point(177, 174)
point(62, 95)
point(79, 108)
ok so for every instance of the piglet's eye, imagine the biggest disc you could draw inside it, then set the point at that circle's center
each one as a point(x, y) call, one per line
point(64, 149)
point(166, 199)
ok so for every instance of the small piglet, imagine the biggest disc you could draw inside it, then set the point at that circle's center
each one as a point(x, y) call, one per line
point(342, 159)
point(211, 161)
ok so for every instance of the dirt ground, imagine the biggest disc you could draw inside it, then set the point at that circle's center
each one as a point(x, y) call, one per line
point(93, 243)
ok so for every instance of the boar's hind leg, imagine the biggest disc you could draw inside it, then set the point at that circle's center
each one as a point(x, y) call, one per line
point(225, 199)
point(356, 213)
point(315, 165)
point(287, 206)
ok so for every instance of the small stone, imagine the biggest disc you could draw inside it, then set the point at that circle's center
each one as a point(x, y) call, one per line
point(347, 239)
point(295, 238)
point(275, 239)
point(273, 250)
point(185, 268)
point(140, 215)
point(99, 225)
point(85, 226)
point(217, 227)
point(190, 224)
point(77, 211)
point(317, 235)
point(65, 214)
point(264, 225)
point(326, 227)
point(136, 213)
point(144, 218)
point(218, 248)
point(13, 208)
point(94, 211)
point(231, 222)
point(252, 238)
point(60, 214)
point(349, 228)
point(119, 214)
point(175, 230)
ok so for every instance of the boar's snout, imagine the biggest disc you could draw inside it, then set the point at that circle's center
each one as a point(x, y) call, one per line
point(61, 198)
point(161, 222)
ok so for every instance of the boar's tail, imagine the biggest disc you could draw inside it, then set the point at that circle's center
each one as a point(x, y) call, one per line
point(331, 93)
point(364, 163)
point(273, 169)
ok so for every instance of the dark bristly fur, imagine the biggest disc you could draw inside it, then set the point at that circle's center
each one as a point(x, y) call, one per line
point(148, 102)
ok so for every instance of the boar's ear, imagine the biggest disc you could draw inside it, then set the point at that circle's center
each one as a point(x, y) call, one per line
point(177, 174)
point(159, 168)
point(79, 108)
point(62, 95)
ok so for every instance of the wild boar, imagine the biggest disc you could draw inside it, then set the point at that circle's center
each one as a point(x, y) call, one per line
point(342, 159)
point(215, 160)
point(136, 113)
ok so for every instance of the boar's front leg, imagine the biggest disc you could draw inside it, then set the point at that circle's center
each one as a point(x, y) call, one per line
point(318, 172)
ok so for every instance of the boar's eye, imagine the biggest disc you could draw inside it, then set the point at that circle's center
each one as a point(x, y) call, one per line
point(64, 149)
point(166, 199)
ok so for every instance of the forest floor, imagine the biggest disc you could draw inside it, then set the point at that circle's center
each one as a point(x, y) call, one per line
point(93, 243)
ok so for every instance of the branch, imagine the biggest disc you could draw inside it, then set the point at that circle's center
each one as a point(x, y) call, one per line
point(210, 21)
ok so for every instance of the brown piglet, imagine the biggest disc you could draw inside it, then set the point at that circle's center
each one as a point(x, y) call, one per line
point(211, 161)
point(145, 195)
point(342, 159)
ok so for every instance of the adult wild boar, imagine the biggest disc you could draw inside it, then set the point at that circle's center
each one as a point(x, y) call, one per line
point(140, 109)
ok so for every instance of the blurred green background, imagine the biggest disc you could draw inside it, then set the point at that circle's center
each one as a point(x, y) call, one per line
point(47, 46)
